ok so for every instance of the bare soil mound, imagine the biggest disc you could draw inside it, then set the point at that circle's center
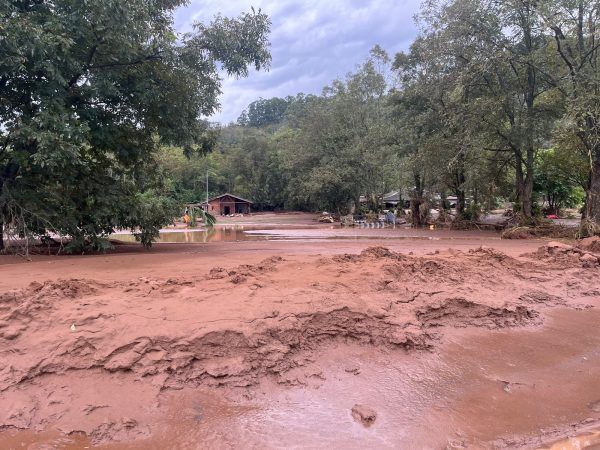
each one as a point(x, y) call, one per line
point(236, 326)
point(590, 244)
point(558, 253)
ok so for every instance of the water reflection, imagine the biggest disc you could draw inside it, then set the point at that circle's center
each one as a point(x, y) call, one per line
point(217, 234)
point(236, 233)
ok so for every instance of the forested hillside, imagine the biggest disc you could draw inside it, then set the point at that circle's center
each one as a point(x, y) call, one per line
point(494, 101)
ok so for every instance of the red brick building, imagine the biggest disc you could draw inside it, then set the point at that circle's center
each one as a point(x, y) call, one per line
point(227, 204)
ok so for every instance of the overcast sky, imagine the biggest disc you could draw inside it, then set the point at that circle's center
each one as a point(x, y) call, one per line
point(312, 42)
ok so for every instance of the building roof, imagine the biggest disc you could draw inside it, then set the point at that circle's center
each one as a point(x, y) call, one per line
point(243, 200)
point(392, 197)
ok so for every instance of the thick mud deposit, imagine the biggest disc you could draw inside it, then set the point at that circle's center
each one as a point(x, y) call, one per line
point(119, 362)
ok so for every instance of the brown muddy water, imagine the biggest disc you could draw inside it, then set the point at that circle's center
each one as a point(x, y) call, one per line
point(239, 233)
point(527, 388)
point(220, 233)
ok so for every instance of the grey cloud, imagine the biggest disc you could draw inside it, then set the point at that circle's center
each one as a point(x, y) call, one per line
point(313, 42)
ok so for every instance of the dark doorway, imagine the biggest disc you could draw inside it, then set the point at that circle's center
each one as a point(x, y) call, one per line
point(226, 210)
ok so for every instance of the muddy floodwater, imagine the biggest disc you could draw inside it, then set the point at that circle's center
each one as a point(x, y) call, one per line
point(475, 388)
point(230, 233)
point(240, 233)
point(277, 336)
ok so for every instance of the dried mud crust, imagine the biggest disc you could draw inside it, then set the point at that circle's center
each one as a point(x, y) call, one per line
point(233, 326)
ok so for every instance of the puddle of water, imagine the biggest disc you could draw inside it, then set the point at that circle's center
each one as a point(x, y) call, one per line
point(221, 233)
point(239, 233)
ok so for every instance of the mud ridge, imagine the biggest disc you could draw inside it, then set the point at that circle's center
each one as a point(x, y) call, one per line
point(242, 272)
point(18, 308)
point(563, 255)
point(230, 357)
point(235, 326)
point(460, 312)
point(224, 357)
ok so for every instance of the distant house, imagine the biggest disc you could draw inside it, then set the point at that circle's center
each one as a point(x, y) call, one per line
point(390, 200)
point(452, 201)
point(227, 204)
point(396, 199)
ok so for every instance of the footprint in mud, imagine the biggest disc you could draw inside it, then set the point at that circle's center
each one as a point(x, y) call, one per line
point(364, 414)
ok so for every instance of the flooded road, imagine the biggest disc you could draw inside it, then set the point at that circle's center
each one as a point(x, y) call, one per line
point(303, 339)
point(515, 389)
point(482, 389)
point(243, 233)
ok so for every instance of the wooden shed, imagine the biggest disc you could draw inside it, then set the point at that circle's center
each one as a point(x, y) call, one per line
point(227, 204)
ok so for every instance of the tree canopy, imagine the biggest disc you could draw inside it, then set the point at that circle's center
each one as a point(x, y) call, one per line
point(494, 100)
point(89, 91)
point(104, 114)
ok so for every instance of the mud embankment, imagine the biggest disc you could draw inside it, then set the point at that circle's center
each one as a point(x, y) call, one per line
point(235, 326)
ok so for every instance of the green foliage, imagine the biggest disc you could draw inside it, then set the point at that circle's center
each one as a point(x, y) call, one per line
point(187, 175)
point(100, 105)
point(470, 110)
point(339, 145)
point(208, 219)
point(192, 218)
point(264, 112)
point(195, 213)
point(472, 212)
point(95, 243)
point(323, 154)
point(148, 213)
point(90, 90)
point(557, 180)
point(272, 111)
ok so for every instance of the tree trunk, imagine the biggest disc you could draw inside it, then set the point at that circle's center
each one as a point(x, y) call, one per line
point(418, 219)
point(459, 191)
point(461, 201)
point(444, 204)
point(1, 236)
point(352, 206)
point(519, 183)
point(592, 201)
point(530, 123)
point(528, 194)
point(2, 208)
point(524, 188)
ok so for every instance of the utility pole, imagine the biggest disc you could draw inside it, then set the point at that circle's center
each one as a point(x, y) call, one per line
point(207, 189)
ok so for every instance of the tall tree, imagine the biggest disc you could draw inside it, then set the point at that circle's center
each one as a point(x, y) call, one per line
point(88, 92)
point(263, 112)
point(503, 46)
point(340, 146)
point(574, 26)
